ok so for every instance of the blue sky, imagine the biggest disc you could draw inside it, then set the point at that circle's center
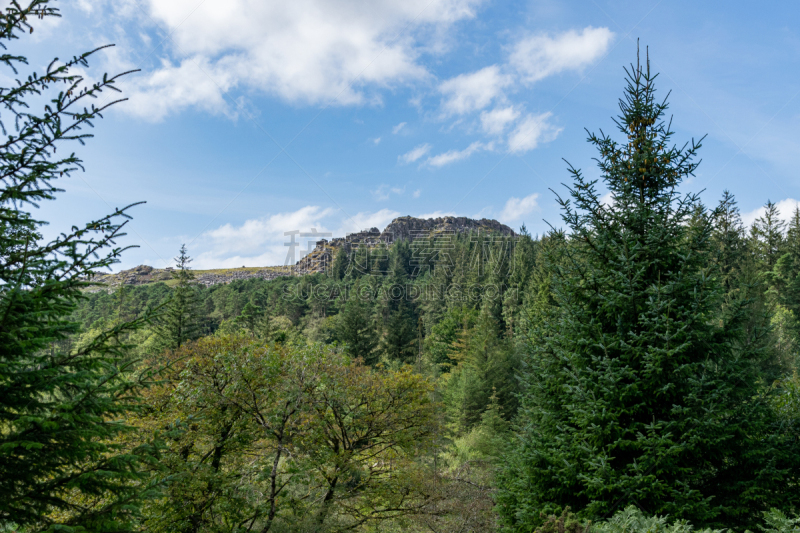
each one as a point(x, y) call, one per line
point(252, 118)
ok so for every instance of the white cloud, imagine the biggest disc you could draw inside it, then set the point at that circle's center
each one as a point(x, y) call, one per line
point(531, 59)
point(457, 155)
point(415, 154)
point(494, 122)
point(376, 140)
point(194, 82)
point(258, 242)
point(261, 242)
point(483, 213)
point(607, 200)
point(255, 232)
point(437, 214)
point(384, 191)
point(785, 208)
point(362, 221)
point(516, 208)
point(538, 56)
point(121, 7)
point(417, 193)
point(397, 128)
point(470, 92)
point(307, 51)
point(85, 5)
point(532, 130)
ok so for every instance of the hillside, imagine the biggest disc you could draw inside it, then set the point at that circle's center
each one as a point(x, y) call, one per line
point(400, 229)
point(144, 274)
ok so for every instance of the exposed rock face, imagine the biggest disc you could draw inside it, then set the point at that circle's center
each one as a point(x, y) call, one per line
point(139, 275)
point(410, 228)
point(321, 257)
point(144, 274)
point(401, 229)
point(214, 279)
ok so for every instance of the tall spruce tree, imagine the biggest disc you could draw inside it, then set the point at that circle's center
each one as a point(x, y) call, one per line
point(356, 329)
point(767, 237)
point(793, 235)
point(61, 406)
point(400, 341)
point(786, 274)
point(635, 391)
point(181, 318)
point(728, 239)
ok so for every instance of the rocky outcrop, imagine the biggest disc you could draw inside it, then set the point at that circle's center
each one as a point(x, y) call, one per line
point(233, 275)
point(321, 257)
point(401, 229)
point(139, 275)
point(410, 228)
point(144, 274)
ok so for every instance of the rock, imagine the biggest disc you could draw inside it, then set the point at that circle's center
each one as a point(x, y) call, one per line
point(400, 229)
point(321, 257)
point(410, 228)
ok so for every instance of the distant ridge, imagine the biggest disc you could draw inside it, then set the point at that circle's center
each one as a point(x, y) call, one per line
point(405, 228)
point(409, 228)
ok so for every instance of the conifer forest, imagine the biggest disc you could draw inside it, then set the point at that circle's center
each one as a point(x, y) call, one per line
point(633, 369)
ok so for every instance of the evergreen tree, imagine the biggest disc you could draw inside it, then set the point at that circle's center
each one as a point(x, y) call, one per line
point(399, 343)
point(61, 406)
point(255, 321)
point(786, 274)
point(635, 391)
point(400, 339)
point(793, 235)
point(356, 329)
point(181, 319)
point(440, 344)
point(761, 285)
point(484, 368)
point(728, 239)
point(341, 262)
point(785, 279)
point(766, 237)
point(520, 275)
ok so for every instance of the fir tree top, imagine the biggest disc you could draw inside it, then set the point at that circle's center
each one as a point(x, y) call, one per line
point(642, 174)
point(637, 387)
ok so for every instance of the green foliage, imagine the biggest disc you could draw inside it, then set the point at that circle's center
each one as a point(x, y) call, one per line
point(486, 441)
point(483, 372)
point(655, 342)
point(180, 321)
point(728, 240)
point(61, 403)
point(567, 522)
point(356, 329)
point(778, 522)
point(785, 276)
point(788, 401)
point(277, 438)
point(632, 520)
point(399, 343)
point(639, 386)
point(767, 236)
point(441, 343)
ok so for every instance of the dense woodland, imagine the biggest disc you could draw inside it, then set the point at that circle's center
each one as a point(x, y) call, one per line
point(634, 370)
